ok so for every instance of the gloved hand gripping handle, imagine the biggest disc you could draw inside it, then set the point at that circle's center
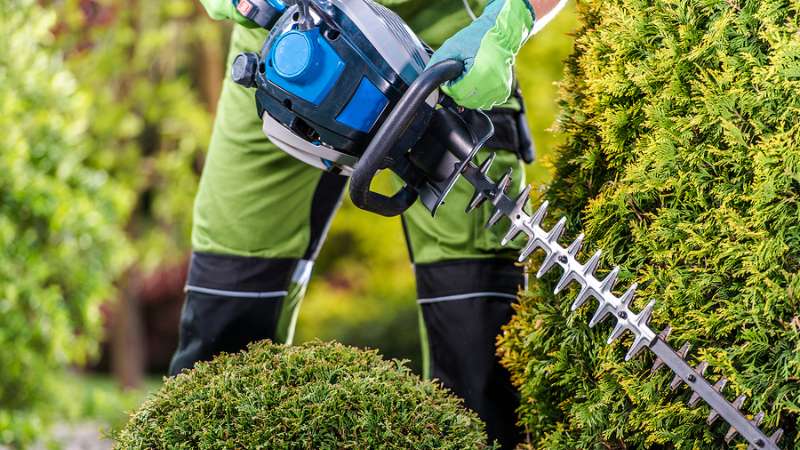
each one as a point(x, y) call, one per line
point(376, 155)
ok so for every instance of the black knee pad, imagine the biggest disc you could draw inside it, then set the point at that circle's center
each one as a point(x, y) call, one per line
point(213, 324)
point(230, 302)
point(464, 305)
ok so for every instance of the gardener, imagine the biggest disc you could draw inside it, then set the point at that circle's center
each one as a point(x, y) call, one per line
point(261, 216)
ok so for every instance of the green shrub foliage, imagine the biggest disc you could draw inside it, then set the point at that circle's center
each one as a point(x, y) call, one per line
point(682, 162)
point(153, 70)
point(60, 219)
point(316, 395)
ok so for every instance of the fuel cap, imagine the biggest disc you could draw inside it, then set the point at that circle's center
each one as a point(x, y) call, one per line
point(295, 54)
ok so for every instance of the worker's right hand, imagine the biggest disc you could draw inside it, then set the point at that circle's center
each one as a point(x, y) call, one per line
point(487, 47)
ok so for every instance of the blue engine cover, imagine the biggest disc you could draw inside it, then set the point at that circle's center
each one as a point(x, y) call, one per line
point(364, 108)
point(303, 64)
point(324, 80)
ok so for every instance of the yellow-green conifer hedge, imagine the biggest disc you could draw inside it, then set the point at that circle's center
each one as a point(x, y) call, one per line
point(682, 162)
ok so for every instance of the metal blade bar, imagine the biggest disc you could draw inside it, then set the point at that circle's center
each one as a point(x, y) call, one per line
point(715, 400)
point(609, 303)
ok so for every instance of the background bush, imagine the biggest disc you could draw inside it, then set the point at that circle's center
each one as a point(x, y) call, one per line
point(104, 120)
point(682, 162)
point(315, 395)
point(60, 219)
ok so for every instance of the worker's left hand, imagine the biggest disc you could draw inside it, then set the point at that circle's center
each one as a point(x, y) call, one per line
point(487, 47)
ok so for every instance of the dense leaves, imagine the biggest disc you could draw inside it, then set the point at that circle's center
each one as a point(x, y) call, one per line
point(682, 161)
point(314, 395)
point(102, 134)
point(154, 69)
point(60, 218)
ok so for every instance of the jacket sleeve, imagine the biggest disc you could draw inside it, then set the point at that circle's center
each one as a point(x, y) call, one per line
point(225, 10)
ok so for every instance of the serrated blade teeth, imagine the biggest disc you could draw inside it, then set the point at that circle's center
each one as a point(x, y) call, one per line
point(757, 421)
point(523, 198)
point(776, 436)
point(643, 318)
point(499, 190)
point(638, 345)
point(558, 229)
point(565, 280)
point(583, 295)
point(619, 329)
point(684, 350)
point(591, 265)
point(720, 384)
point(538, 216)
point(504, 182)
point(628, 296)
point(732, 432)
point(675, 383)
point(485, 165)
point(700, 369)
point(530, 247)
point(496, 216)
point(517, 216)
point(547, 264)
point(576, 245)
point(481, 196)
point(610, 280)
point(659, 362)
point(511, 234)
point(730, 435)
point(677, 380)
point(694, 399)
point(739, 402)
point(477, 200)
point(713, 415)
point(603, 310)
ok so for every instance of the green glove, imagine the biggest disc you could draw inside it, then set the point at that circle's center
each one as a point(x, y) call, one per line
point(487, 47)
point(226, 10)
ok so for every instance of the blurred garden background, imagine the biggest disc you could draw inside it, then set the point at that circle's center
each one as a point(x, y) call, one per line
point(106, 108)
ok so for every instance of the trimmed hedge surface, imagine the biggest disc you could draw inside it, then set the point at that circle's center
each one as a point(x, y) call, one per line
point(682, 163)
point(316, 395)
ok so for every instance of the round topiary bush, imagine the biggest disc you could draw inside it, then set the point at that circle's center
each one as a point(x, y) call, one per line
point(310, 396)
point(681, 162)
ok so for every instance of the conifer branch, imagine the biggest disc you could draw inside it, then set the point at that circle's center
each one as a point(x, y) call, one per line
point(608, 303)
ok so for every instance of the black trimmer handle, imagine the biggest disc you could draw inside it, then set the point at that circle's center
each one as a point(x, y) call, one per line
point(387, 137)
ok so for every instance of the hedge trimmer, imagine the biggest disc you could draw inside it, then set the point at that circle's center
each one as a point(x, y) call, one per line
point(343, 85)
point(611, 305)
